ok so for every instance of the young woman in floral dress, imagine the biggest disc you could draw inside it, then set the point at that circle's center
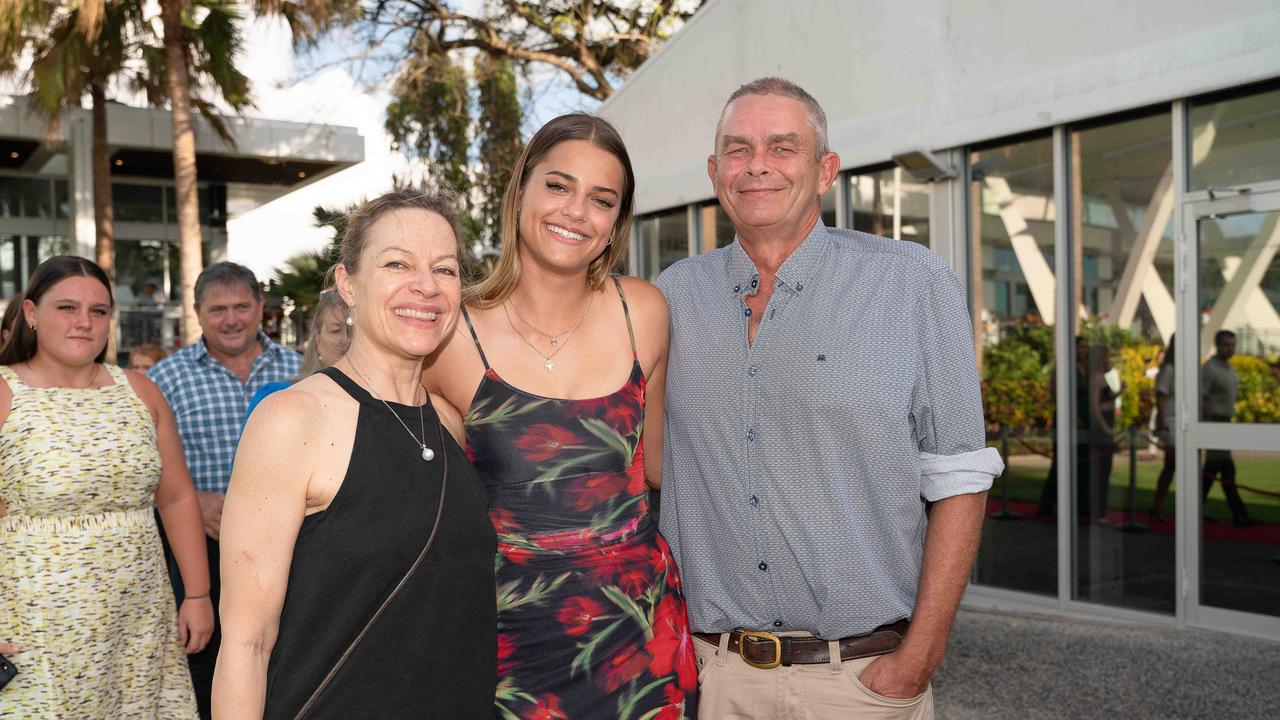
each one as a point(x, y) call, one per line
point(558, 370)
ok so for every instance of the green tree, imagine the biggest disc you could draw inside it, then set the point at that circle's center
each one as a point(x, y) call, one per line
point(197, 55)
point(455, 94)
point(201, 41)
point(498, 128)
point(429, 116)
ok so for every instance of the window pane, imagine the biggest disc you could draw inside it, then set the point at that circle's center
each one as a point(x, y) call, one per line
point(37, 200)
point(828, 205)
point(1012, 256)
point(136, 203)
point(10, 197)
point(61, 199)
point(1239, 279)
point(1123, 197)
point(9, 271)
point(1235, 141)
point(715, 227)
point(140, 266)
point(212, 201)
point(889, 204)
point(1238, 537)
point(44, 247)
point(25, 197)
point(664, 239)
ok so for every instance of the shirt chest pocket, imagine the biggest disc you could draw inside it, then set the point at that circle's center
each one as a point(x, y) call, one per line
point(856, 383)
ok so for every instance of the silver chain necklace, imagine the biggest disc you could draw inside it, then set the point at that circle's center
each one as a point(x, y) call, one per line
point(427, 453)
point(554, 341)
point(548, 363)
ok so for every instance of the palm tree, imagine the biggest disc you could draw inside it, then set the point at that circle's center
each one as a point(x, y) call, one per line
point(199, 51)
point(76, 48)
point(202, 53)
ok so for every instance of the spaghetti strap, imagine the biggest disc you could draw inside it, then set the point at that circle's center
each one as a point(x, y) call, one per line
point(466, 316)
point(626, 311)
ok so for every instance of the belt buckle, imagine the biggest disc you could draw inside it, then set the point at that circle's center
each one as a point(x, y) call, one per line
point(777, 647)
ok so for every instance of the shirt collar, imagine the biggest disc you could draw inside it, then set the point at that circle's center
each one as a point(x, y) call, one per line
point(798, 269)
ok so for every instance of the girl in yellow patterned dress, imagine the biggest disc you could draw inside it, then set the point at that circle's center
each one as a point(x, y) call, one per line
point(86, 451)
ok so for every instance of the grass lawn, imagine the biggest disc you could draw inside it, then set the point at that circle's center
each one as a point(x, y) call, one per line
point(1026, 475)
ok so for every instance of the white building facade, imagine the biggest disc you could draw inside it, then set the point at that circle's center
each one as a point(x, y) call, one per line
point(1105, 177)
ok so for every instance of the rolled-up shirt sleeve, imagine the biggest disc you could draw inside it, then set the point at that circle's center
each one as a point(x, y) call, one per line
point(946, 410)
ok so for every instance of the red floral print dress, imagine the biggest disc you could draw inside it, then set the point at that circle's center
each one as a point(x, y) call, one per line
point(591, 619)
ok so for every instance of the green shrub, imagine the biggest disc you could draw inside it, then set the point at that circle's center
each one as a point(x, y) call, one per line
point(1259, 397)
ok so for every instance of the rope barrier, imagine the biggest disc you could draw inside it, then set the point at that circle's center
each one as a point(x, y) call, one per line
point(1271, 493)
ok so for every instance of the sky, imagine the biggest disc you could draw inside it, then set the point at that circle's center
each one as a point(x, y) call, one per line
point(313, 89)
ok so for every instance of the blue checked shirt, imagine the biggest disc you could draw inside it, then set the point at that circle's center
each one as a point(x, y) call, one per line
point(796, 468)
point(209, 403)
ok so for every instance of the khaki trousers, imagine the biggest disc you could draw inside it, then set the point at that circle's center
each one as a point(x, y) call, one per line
point(730, 689)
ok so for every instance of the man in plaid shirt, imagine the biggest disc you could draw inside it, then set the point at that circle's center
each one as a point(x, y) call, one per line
point(209, 386)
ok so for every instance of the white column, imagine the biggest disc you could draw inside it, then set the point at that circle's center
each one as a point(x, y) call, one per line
point(79, 129)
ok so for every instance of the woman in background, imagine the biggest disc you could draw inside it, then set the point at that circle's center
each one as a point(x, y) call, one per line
point(86, 450)
point(11, 312)
point(144, 357)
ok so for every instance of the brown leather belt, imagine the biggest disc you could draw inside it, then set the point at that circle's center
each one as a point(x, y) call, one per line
point(766, 650)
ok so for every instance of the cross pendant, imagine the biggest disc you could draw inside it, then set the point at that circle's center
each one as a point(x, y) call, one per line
point(550, 366)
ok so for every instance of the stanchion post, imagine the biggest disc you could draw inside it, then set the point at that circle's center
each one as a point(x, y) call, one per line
point(1131, 524)
point(1005, 513)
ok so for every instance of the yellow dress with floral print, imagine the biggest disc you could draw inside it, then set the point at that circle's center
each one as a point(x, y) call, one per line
point(83, 586)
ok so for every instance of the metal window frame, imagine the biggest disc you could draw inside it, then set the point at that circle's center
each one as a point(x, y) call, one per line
point(1195, 435)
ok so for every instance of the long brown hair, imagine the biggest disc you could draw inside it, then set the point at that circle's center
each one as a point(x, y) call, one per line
point(21, 346)
point(499, 285)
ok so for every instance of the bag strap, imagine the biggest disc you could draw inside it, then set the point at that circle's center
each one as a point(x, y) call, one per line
point(346, 654)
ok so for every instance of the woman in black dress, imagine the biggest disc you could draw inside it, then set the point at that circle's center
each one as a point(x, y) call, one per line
point(340, 482)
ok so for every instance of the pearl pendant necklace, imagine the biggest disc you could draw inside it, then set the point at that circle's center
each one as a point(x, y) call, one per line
point(427, 453)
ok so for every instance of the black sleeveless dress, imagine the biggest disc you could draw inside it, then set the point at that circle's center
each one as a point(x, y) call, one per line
point(591, 617)
point(432, 653)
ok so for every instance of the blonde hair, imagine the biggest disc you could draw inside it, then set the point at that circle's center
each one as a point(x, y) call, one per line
point(330, 301)
point(499, 285)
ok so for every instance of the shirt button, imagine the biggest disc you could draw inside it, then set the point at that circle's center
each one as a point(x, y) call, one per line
point(764, 567)
point(755, 282)
point(737, 288)
point(799, 287)
point(754, 501)
point(777, 623)
point(751, 435)
point(748, 313)
point(752, 371)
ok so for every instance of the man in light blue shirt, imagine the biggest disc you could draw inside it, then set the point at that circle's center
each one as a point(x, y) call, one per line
point(209, 386)
point(825, 466)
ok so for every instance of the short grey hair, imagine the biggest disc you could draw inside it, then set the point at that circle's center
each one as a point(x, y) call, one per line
point(227, 273)
point(785, 88)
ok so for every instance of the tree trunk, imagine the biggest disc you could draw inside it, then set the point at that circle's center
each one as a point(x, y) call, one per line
point(103, 219)
point(103, 215)
point(177, 77)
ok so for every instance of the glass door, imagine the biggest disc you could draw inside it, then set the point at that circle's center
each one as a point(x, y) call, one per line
point(1228, 412)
